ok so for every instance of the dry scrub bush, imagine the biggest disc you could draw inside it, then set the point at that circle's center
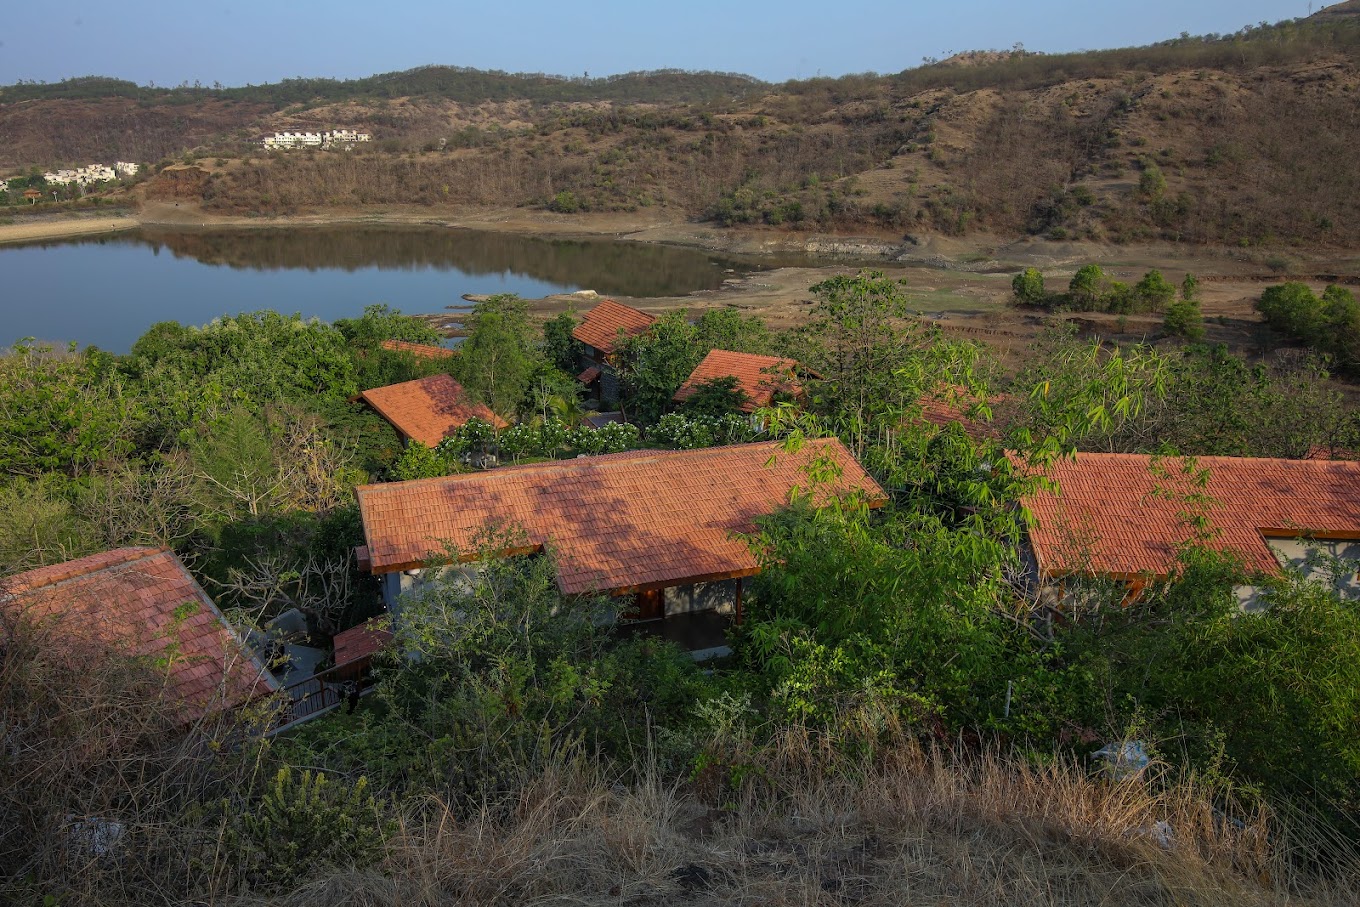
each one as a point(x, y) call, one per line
point(86, 741)
point(913, 827)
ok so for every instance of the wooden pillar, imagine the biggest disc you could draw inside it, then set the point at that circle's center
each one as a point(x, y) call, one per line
point(739, 581)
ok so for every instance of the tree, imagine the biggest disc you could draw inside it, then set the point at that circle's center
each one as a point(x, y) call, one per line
point(1154, 292)
point(1028, 287)
point(1085, 288)
point(499, 358)
point(1293, 309)
point(560, 348)
point(1183, 319)
point(63, 412)
point(717, 397)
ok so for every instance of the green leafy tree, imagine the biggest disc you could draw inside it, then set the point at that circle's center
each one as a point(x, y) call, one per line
point(1183, 319)
point(499, 357)
point(63, 412)
point(716, 398)
point(561, 349)
point(1028, 287)
point(1293, 309)
point(193, 375)
point(1086, 287)
point(1154, 293)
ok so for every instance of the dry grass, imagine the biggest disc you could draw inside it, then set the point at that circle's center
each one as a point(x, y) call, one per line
point(802, 826)
point(914, 829)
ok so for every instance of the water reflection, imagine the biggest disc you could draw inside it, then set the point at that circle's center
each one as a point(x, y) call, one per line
point(108, 290)
point(607, 266)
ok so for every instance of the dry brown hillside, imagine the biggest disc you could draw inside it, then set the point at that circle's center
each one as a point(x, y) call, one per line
point(1248, 139)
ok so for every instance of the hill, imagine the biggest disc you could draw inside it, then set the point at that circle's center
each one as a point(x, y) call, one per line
point(1242, 139)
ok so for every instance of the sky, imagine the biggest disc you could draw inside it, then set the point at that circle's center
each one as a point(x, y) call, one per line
point(236, 42)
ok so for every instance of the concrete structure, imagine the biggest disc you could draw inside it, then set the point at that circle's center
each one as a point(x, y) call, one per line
point(285, 141)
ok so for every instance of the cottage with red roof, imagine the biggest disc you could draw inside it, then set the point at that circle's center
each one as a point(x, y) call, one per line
point(659, 526)
point(759, 378)
point(599, 333)
point(428, 409)
point(1127, 516)
point(142, 602)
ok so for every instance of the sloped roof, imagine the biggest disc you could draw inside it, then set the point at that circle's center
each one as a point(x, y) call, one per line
point(602, 324)
point(949, 403)
point(428, 409)
point(144, 602)
point(419, 350)
point(758, 377)
point(643, 519)
point(361, 642)
point(1122, 515)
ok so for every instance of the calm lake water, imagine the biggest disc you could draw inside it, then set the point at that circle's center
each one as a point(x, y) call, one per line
point(108, 290)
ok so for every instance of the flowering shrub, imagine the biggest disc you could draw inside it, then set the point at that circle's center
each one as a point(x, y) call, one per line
point(692, 432)
point(612, 437)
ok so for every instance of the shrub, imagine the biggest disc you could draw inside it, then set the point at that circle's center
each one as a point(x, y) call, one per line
point(1028, 287)
point(1183, 319)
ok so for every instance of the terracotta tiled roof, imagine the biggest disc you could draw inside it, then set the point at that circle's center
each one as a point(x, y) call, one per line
point(428, 409)
point(616, 522)
point(602, 324)
point(361, 642)
point(419, 350)
point(950, 403)
point(1114, 516)
point(758, 377)
point(143, 602)
point(588, 375)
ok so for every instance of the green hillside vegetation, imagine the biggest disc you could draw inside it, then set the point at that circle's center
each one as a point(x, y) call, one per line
point(899, 718)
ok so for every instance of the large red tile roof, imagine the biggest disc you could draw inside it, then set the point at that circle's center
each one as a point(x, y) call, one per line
point(602, 324)
point(758, 377)
point(1122, 515)
point(143, 602)
point(419, 350)
point(428, 409)
point(643, 519)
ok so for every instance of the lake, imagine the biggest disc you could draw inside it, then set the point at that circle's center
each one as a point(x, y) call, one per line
point(108, 290)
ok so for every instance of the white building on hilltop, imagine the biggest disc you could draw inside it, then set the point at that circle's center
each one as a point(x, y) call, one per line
point(126, 168)
point(283, 141)
point(81, 176)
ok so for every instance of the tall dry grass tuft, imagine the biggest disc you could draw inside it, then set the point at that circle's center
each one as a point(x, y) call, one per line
point(100, 784)
point(912, 827)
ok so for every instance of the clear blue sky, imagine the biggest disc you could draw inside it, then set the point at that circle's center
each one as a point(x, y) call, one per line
point(240, 41)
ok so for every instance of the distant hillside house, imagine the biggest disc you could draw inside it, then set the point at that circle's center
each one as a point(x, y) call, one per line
point(658, 527)
point(1126, 516)
point(142, 603)
point(599, 332)
point(419, 350)
point(284, 141)
point(428, 410)
point(759, 378)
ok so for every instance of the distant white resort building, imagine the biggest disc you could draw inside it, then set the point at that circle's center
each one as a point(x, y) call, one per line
point(126, 168)
point(283, 141)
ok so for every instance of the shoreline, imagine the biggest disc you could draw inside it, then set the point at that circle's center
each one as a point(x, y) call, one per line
point(978, 254)
point(65, 228)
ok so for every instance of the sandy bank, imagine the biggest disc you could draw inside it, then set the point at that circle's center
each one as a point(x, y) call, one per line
point(62, 228)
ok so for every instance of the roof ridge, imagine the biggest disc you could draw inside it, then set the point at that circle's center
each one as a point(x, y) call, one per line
point(600, 460)
point(124, 556)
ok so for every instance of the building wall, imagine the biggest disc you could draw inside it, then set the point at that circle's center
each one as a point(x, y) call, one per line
point(718, 596)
